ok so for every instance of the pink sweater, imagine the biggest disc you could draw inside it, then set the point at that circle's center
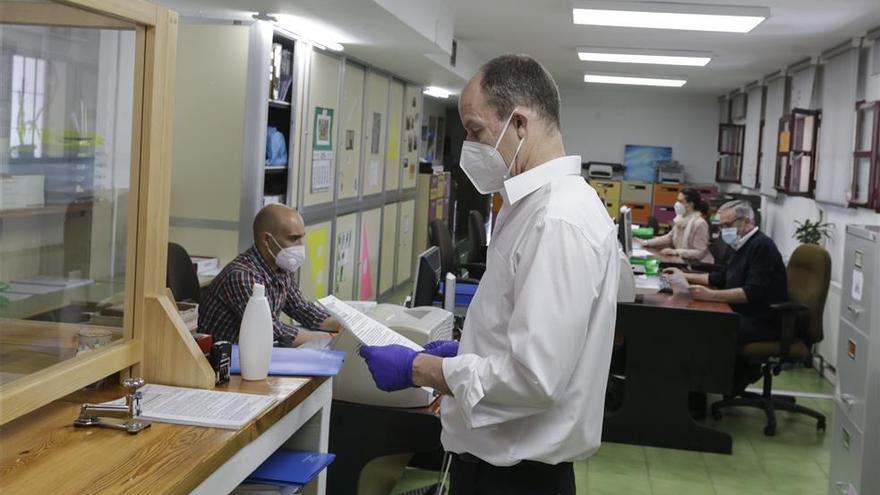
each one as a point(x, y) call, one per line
point(689, 236)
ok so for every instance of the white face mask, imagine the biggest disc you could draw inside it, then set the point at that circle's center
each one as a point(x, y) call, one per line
point(680, 209)
point(290, 258)
point(484, 165)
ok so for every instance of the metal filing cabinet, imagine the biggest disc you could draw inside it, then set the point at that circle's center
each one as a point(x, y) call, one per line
point(855, 449)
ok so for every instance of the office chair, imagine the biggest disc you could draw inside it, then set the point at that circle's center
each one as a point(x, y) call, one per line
point(809, 274)
point(181, 275)
point(477, 237)
point(439, 236)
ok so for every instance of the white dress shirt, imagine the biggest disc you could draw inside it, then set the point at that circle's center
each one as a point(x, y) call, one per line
point(529, 380)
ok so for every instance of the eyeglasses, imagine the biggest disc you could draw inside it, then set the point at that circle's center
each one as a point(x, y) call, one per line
point(725, 225)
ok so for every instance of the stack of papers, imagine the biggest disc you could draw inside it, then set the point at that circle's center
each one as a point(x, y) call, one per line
point(196, 407)
point(298, 361)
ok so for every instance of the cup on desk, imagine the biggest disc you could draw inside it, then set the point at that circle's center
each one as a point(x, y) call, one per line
point(90, 338)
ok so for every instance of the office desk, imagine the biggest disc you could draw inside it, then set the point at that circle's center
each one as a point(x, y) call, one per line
point(674, 346)
point(43, 452)
point(361, 433)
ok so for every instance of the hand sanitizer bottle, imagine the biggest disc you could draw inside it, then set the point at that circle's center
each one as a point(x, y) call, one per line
point(255, 336)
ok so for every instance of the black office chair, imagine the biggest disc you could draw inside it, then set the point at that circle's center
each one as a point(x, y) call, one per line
point(439, 236)
point(477, 237)
point(181, 276)
point(809, 275)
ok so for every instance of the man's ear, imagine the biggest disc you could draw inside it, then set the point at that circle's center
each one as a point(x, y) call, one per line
point(521, 124)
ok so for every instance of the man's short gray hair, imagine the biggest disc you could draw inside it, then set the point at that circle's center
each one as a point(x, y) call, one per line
point(742, 209)
point(511, 80)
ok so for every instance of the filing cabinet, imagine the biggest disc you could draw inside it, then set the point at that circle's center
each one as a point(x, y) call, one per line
point(666, 195)
point(664, 214)
point(855, 450)
point(636, 192)
point(640, 212)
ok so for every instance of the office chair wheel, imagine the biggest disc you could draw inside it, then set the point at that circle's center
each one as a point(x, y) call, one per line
point(820, 426)
point(770, 430)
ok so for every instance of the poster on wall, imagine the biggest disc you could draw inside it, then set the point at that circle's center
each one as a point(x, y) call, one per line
point(317, 248)
point(322, 170)
point(640, 162)
point(376, 133)
point(365, 284)
point(343, 277)
point(323, 138)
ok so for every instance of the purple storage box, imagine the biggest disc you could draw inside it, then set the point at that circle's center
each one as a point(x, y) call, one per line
point(664, 214)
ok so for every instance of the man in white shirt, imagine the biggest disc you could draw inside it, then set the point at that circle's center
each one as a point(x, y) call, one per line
point(526, 389)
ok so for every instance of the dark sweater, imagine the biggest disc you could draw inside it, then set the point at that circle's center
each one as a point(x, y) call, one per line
point(757, 269)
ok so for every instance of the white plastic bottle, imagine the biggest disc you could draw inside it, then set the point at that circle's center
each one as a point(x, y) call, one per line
point(255, 336)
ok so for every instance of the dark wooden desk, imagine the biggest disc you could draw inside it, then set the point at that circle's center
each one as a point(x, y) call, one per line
point(674, 346)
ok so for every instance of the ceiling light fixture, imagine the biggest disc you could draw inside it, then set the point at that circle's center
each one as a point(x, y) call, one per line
point(636, 81)
point(436, 92)
point(303, 29)
point(686, 17)
point(628, 56)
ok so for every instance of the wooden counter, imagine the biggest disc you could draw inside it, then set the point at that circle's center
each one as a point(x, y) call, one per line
point(43, 452)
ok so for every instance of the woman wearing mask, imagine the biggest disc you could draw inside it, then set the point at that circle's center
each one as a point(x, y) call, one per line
point(689, 237)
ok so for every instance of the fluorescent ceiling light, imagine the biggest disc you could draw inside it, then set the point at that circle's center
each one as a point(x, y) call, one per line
point(320, 35)
point(686, 17)
point(637, 81)
point(645, 57)
point(436, 92)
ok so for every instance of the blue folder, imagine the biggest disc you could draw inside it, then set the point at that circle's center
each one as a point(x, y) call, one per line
point(298, 362)
point(291, 467)
point(464, 292)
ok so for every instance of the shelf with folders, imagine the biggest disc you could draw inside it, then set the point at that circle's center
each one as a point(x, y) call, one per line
point(279, 120)
point(730, 151)
point(796, 152)
point(865, 190)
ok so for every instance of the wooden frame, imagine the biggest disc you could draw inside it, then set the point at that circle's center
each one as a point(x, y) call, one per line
point(871, 153)
point(736, 153)
point(791, 126)
point(152, 332)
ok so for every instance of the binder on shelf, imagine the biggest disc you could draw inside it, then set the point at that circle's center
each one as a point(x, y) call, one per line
point(294, 361)
point(291, 468)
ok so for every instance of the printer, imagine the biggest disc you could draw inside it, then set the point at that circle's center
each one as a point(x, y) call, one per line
point(670, 172)
point(421, 325)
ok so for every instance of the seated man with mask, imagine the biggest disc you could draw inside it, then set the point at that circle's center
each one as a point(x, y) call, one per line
point(753, 279)
point(277, 253)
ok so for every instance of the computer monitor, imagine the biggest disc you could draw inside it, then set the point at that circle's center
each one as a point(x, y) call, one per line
point(624, 230)
point(427, 278)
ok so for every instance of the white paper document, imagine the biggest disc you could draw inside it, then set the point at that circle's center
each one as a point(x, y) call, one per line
point(362, 306)
point(678, 283)
point(641, 253)
point(367, 330)
point(190, 406)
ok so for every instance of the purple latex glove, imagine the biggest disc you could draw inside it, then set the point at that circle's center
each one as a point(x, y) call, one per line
point(390, 365)
point(442, 348)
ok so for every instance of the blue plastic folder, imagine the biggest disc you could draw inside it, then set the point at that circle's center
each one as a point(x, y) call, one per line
point(464, 292)
point(291, 467)
point(298, 362)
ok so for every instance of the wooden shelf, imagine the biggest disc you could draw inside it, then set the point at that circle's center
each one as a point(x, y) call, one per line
point(275, 170)
point(45, 210)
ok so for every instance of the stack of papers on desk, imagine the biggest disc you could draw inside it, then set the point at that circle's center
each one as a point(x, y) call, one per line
point(294, 361)
point(641, 253)
point(196, 407)
point(365, 329)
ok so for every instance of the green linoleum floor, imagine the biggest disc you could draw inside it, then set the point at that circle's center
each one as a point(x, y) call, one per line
point(795, 461)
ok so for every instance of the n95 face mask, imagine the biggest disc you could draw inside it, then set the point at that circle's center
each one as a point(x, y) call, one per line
point(484, 165)
point(290, 258)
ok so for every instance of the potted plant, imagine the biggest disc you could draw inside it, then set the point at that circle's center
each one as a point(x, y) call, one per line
point(810, 232)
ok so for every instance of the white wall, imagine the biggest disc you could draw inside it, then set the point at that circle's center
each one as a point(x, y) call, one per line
point(598, 121)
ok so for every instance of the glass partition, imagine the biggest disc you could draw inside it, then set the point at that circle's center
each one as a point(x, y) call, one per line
point(66, 120)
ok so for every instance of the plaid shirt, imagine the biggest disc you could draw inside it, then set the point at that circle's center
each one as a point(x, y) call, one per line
point(224, 301)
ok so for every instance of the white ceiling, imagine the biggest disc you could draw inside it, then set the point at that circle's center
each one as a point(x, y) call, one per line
point(544, 29)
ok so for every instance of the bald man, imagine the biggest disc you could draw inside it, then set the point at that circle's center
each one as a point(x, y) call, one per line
point(277, 253)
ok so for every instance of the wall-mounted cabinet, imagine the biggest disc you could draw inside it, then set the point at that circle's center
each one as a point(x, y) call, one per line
point(796, 152)
point(730, 153)
point(866, 157)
